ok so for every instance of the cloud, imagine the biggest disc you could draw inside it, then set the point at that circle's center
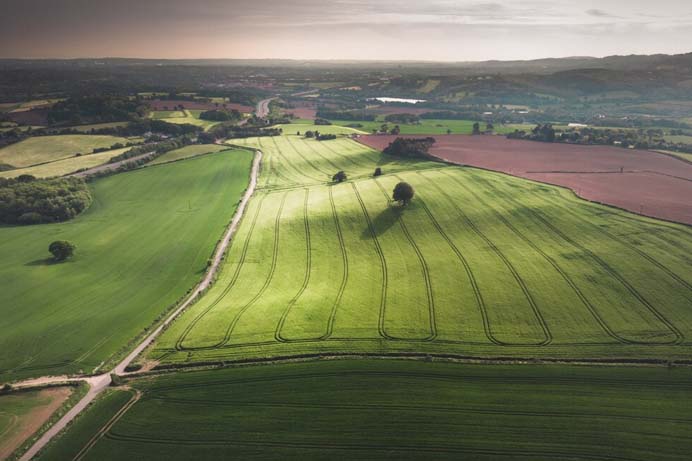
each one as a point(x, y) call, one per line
point(599, 13)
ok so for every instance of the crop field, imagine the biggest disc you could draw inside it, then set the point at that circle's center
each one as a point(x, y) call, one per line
point(432, 127)
point(23, 413)
point(392, 410)
point(43, 149)
point(307, 125)
point(479, 264)
point(640, 181)
point(64, 166)
point(190, 117)
point(140, 246)
point(187, 152)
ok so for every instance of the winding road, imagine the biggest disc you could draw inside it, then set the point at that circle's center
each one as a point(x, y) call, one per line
point(100, 382)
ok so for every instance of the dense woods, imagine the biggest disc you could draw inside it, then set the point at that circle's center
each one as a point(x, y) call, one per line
point(26, 200)
point(409, 147)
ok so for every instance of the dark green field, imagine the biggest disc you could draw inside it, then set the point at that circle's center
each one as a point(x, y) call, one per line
point(140, 246)
point(395, 410)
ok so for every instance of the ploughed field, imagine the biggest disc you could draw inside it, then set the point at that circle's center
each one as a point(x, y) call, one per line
point(479, 264)
point(391, 410)
point(140, 246)
point(650, 183)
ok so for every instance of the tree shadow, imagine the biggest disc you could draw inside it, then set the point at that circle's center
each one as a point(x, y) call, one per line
point(383, 221)
point(44, 262)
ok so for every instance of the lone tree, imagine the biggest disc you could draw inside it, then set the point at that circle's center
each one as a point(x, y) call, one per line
point(403, 193)
point(339, 177)
point(61, 249)
point(476, 128)
point(378, 171)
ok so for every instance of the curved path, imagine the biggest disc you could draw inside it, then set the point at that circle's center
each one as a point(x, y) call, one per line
point(100, 382)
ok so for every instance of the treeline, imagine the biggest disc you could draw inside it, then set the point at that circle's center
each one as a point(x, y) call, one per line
point(27, 200)
point(95, 109)
point(634, 139)
point(410, 147)
point(220, 115)
point(155, 148)
point(236, 131)
point(407, 119)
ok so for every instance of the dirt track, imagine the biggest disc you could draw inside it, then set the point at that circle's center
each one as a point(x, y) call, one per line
point(644, 182)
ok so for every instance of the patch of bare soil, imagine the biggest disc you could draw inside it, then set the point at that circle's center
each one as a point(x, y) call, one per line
point(31, 422)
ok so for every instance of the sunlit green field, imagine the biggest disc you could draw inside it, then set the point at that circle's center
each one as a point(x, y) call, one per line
point(41, 149)
point(187, 116)
point(479, 264)
point(392, 410)
point(65, 166)
point(141, 245)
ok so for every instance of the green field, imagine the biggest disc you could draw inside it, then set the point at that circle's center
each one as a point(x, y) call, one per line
point(65, 166)
point(479, 264)
point(42, 149)
point(395, 410)
point(187, 152)
point(183, 116)
point(97, 126)
point(140, 246)
point(306, 125)
point(431, 126)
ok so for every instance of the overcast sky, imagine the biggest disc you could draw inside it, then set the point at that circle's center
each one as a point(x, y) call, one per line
point(443, 30)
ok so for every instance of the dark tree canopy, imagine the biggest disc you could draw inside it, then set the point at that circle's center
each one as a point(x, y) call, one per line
point(378, 171)
point(408, 119)
point(410, 147)
point(61, 250)
point(27, 200)
point(220, 115)
point(476, 128)
point(339, 177)
point(403, 193)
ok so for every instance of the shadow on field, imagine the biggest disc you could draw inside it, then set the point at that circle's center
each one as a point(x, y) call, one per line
point(384, 221)
point(44, 262)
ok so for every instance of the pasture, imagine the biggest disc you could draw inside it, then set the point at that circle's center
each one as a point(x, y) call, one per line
point(479, 264)
point(23, 413)
point(43, 149)
point(187, 116)
point(140, 246)
point(64, 166)
point(392, 410)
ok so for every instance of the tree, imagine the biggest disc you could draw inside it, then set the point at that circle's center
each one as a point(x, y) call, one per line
point(339, 177)
point(449, 131)
point(403, 193)
point(61, 249)
point(489, 126)
point(309, 134)
point(476, 128)
point(378, 171)
point(395, 131)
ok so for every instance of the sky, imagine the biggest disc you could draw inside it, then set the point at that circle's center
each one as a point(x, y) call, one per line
point(430, 30)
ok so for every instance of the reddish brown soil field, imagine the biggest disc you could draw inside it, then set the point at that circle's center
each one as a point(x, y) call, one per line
point(651, 183)
point(303, 112)
point(159, 104)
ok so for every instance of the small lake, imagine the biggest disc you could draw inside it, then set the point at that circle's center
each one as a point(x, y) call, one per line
point(404, 100)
